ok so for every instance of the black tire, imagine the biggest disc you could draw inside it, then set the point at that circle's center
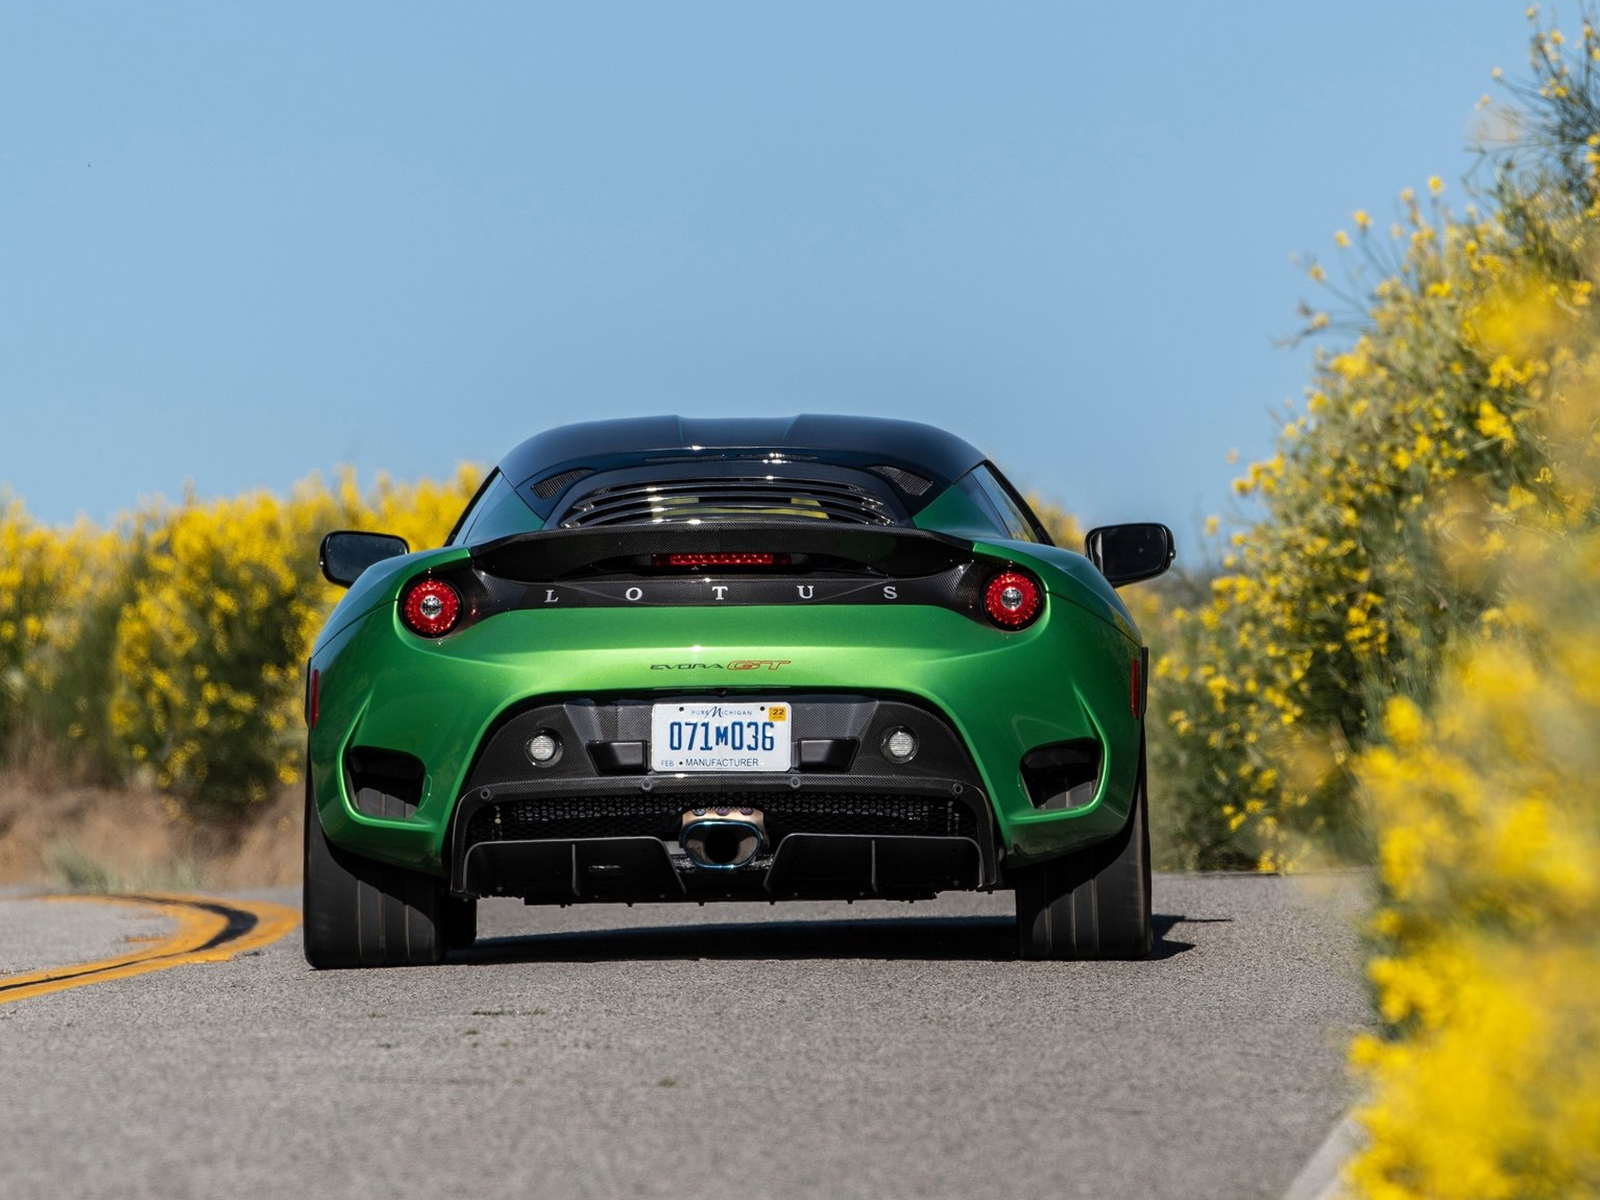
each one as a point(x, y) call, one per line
point(361, 913)
point(460, 917)
point(1094, 904)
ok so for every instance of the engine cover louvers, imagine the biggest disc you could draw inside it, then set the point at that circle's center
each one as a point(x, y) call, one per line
point(728, 499)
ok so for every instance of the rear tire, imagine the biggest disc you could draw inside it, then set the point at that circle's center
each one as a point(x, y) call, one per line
point(1094, 904)
point(361, 913)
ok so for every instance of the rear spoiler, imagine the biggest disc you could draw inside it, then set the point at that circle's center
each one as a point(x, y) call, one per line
point(566, 553)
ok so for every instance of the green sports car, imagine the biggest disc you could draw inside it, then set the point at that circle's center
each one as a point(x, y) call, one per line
point(748, 659)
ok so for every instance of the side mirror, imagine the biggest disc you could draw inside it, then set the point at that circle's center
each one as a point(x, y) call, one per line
point(1129, 553)
point(347, 553)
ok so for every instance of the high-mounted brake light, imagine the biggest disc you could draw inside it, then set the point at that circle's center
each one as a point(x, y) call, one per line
point(719, 560)
point(430, 608)
point(1013, 599)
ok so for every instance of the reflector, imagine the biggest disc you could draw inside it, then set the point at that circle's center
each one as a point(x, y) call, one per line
point(543, 747)
point(900, 745)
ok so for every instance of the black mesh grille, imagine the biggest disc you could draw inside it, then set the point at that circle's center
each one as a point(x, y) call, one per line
point(911, 485)
point(851, 812)
point(660, 816)
point(571, 817)
point(728, 499)
point(546, 488)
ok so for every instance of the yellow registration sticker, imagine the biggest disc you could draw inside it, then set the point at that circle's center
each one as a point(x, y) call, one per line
point(777, 712)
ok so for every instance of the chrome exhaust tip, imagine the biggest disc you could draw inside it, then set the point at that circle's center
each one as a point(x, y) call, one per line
point(723, 839)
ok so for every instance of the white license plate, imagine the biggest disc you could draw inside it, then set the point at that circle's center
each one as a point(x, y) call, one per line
point(721, 737)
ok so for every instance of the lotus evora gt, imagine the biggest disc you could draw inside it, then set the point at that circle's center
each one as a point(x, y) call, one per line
point(746, 659)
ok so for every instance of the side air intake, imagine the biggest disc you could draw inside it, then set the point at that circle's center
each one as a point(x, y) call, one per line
point(546, 488)
point(909, 483)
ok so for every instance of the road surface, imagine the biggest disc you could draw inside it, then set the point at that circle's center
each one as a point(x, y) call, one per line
point(817, 1050)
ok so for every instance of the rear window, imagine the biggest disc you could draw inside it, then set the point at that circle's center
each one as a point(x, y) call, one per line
point(496, 513)
point(995, 497)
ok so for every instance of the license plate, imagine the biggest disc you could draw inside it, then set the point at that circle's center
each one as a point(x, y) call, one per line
point(721, 737)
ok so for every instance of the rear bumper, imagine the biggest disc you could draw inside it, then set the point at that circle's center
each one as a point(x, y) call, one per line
point(595, 824)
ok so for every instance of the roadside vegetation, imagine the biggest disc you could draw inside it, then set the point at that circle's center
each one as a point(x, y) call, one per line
point(169, 649)
point(1398, 662)
point(1415, 451)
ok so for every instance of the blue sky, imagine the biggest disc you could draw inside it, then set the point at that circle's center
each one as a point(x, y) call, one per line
point(242, 243)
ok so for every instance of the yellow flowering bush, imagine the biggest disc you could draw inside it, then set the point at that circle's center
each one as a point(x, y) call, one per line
point(173, 643)
point(31, 580)
point(59, 591)
point(1385, 496)
point(207, 649)
point(422, 513)
point(1486, 947)
point(1484, 1080)
point(1063, 526)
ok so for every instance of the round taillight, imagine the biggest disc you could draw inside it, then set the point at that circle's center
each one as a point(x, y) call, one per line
point(1012, 599)
point(430, 608)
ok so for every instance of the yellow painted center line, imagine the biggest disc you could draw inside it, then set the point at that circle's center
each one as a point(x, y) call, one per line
point(207, 930)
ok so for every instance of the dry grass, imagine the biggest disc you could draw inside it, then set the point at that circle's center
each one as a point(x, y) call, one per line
point(98, 839)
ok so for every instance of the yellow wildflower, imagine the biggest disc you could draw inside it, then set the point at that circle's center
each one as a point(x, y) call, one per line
point(1493, 423)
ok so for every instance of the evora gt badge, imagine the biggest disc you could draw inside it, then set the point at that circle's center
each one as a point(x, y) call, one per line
point(738, 664)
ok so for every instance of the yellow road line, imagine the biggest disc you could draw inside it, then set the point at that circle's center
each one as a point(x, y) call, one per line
point(207, 930)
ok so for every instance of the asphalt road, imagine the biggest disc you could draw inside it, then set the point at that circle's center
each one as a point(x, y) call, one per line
point(799, 1051)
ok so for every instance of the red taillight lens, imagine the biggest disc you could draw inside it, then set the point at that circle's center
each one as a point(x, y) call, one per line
point(430, 608)
point(719, 560)
point(1012, 600)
